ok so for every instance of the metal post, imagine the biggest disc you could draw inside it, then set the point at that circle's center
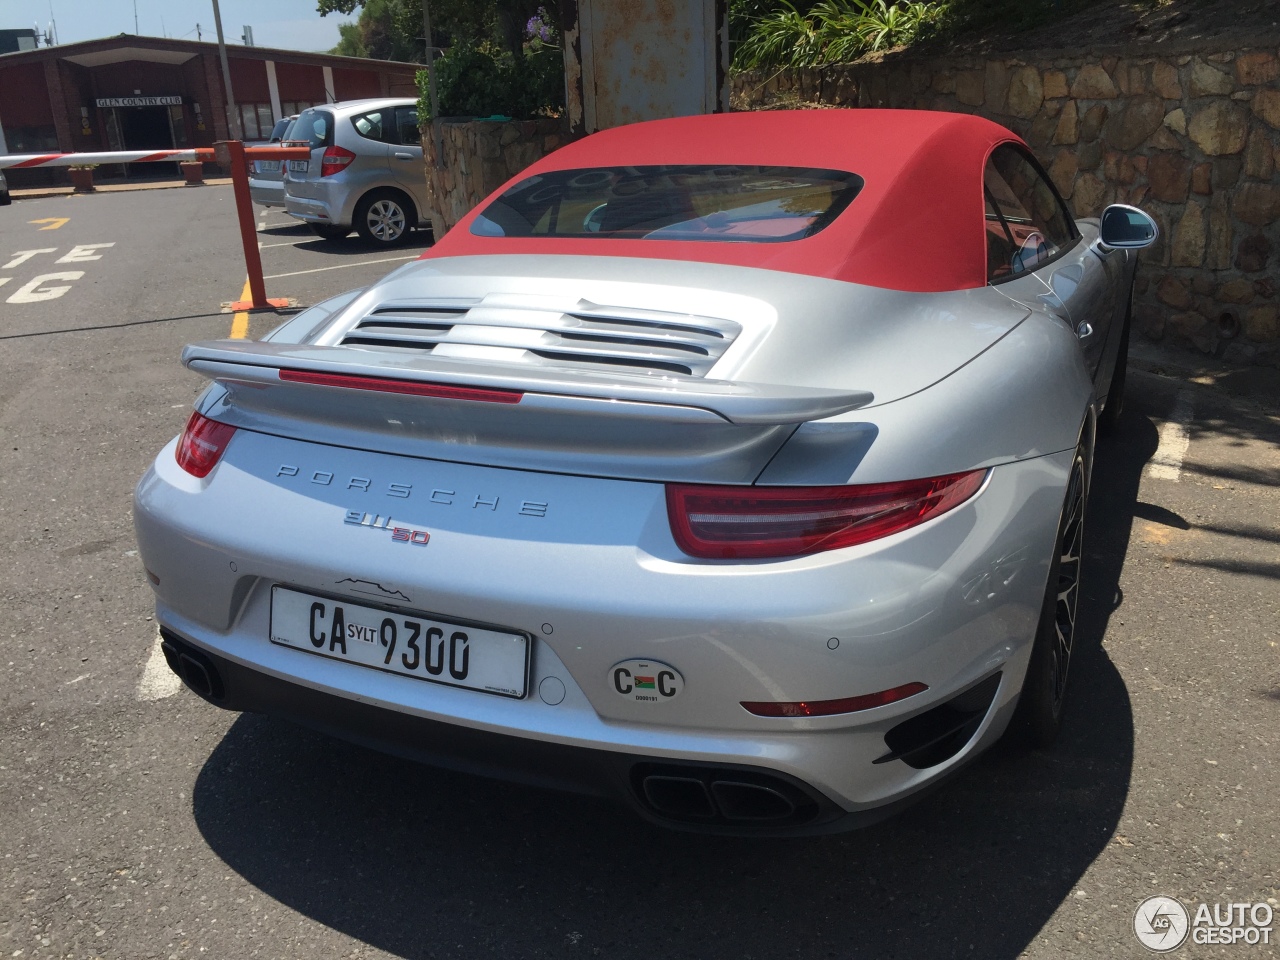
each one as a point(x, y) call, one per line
point(237, 131)
point(436, 138)
point(232, 153)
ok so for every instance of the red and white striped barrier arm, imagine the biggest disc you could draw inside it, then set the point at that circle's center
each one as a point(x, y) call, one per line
point(113, 156)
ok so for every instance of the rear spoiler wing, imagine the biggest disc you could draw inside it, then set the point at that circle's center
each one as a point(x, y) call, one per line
point(683, 399)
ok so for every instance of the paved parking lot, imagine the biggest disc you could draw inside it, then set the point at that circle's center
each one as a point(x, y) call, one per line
point(140, 822)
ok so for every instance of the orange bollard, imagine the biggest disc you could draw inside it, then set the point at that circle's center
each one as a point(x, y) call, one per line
point(231, 153)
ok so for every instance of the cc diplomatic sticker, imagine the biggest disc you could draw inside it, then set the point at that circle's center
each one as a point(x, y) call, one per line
point(646, 681)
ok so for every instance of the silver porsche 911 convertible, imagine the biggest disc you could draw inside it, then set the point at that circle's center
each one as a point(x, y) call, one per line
point(733, 465)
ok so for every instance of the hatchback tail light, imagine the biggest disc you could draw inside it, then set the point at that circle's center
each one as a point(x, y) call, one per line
point(737, 523)
point(202, 444)
point(335, 160)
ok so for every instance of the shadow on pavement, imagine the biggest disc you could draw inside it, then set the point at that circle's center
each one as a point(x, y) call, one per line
point(421, 862)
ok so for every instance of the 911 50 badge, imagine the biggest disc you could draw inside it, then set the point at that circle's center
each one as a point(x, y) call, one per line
point(645, 681)
point(376, 521)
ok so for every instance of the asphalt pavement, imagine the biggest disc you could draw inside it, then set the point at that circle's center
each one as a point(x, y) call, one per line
point(140, 822)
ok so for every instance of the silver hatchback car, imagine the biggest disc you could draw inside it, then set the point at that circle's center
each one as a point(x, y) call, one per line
point(365, 170)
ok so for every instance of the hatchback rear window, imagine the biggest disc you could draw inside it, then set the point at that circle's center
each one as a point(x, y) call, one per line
point(687, 202)
point(278, 130)
point(314, 126)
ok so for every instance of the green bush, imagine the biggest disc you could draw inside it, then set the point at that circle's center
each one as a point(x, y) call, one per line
point(832, 31)
point(476, 81)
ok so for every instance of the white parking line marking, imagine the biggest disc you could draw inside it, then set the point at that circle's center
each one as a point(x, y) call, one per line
point(1174, 441)
point(361, 263)
point(158, 681)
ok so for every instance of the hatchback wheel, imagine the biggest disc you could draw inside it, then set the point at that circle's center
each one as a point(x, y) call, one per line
point(384, 217)
point(1039, 714)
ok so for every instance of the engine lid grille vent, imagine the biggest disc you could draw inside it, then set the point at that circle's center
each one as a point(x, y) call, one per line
point(585, 335)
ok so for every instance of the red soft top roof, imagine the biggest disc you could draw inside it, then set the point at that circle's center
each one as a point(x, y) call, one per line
point(916, 225)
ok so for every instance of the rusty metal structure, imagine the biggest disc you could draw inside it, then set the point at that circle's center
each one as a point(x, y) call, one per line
point(632, 60)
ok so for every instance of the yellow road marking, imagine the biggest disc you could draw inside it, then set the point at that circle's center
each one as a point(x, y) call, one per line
point(240, 322)
point(54, 222)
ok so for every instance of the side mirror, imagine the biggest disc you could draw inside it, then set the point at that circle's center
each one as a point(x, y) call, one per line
point(1127, 228)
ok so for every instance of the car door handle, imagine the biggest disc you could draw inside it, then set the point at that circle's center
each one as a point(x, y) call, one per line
point(404, 156)
point(1084, 330)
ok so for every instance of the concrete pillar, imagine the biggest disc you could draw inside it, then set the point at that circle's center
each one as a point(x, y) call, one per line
point(58, 106)
point(273, 89)
point(217, 107)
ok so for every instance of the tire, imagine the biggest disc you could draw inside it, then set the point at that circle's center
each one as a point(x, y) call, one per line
point(1039, 712)
point(385, 217)
point(329, 231)
point(5, 199)
point(1109, 419)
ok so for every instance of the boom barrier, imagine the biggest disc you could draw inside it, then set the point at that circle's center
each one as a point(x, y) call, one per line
point(231, 153)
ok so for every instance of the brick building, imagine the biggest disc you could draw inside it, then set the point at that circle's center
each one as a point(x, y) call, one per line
point(138, 93)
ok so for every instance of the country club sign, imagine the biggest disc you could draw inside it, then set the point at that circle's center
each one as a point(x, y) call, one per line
point(140, 101)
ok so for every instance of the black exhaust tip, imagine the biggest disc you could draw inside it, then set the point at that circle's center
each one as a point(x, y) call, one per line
point(723, 796)
point(751, 801)
point(682, 798)
point(194, 668)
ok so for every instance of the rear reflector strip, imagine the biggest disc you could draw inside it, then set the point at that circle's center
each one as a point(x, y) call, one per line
point(827, 708)
point(412, 388)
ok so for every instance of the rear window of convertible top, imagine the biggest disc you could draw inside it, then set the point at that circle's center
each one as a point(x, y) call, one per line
point(687, 202)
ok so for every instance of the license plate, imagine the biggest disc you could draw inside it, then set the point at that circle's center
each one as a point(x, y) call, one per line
point(267, 166)
point(413, 645)
point(299, 166)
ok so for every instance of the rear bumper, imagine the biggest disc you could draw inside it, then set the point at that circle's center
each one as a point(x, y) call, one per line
point(309, 211)
point(740, 799)
point(951, 604)
point(268, 193)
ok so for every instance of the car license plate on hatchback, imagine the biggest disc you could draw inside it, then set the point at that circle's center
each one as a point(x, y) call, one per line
point(299, 166)
point(459, 655)
point(267, 166)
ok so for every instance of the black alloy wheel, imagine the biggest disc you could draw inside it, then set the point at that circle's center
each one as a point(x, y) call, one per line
point(1040, 705)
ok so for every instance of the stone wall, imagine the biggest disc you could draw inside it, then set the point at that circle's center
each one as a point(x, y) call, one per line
point(480, 156)
point(1190, 135)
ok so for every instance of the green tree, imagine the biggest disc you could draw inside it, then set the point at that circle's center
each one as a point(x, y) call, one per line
point(350, 43)
point(397, 24)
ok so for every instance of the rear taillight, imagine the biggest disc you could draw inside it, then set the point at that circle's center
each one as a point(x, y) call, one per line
point(737, 523)
point(335, 160)
point(202, 444)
